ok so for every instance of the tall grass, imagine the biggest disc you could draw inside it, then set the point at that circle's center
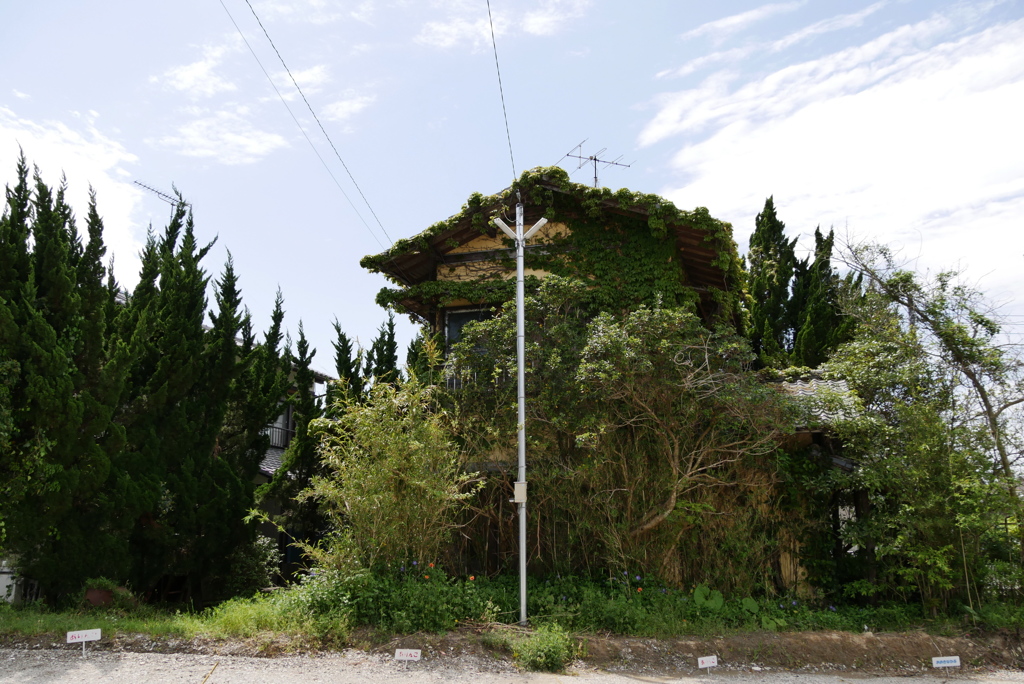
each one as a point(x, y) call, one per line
point(326, 608)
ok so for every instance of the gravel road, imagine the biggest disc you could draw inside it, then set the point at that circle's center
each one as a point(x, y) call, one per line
point(349, 667)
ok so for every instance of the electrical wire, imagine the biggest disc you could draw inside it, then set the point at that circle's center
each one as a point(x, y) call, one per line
point(303, 131)
point(501, 90)
point(317, 119)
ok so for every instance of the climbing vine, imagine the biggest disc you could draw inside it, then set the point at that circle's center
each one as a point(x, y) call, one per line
point(620, 242)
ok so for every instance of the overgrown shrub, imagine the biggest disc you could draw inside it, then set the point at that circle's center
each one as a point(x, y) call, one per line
point(550, 648)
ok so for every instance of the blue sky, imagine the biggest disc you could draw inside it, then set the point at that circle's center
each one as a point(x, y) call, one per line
point(896, 121)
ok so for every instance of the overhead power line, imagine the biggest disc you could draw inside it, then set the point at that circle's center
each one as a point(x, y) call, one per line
point(501, 90)
point(317, 119)
point(306, 135)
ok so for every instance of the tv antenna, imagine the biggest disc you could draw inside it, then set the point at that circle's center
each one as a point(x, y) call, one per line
point(173, 201)
point(594, 159)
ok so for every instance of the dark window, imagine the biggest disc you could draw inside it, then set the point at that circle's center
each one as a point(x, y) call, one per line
point(456, 320)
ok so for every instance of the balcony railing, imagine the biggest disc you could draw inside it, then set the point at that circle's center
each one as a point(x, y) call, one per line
point(280, 437)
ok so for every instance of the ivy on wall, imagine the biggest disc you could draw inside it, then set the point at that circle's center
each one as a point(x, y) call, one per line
point(620, 242)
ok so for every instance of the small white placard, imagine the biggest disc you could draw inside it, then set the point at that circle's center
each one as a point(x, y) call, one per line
point(707, 661)
point(84, 635)
point(407, 654)
point(946, 661)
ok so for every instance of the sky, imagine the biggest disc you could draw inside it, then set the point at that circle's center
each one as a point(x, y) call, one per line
point(896, 121)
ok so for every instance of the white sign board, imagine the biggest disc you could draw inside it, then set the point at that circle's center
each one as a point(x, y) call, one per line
point(407, 654)
point(946, 661)
point(707, 661)
point(84, 635)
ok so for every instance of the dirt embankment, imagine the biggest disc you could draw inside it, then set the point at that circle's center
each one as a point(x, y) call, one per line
point(890, 653)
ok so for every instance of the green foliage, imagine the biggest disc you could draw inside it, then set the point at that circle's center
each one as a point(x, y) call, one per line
point(818, 321)
point(252, 566)
point(129, 433)
point(548, 649)
point(391, 480)
point(707, 599)
point(619, 242)
point(300, 463)
point(925, 505)
point(645, 434)
point(771, 262)
point(382, 360)
point(348, 364)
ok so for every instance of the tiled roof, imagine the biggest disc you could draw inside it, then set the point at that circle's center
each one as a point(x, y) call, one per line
point(271, 461)
point(825, 401)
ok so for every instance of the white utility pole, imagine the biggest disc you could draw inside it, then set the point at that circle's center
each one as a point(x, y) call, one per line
point(520, 486)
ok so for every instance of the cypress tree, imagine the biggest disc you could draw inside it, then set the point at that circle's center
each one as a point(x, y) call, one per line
point(772, 261)
point(821, 325)
point(348, 364)
point(382, 361)
point(300, 461)
point(69, 380)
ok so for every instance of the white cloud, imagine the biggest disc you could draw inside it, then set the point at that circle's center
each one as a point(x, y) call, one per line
point(20, 95)
point(905, 139)
point(837, 23)
point(198, 78)
point(720, 29)
point(467, 23)
point(311, 81)
point(87, 156)
point(224, 136)
point(459, 31)
point(552, 15)
point(348, 107)
point(795, 86)
point(698, 63)
point(304, 11)
point(364, 11)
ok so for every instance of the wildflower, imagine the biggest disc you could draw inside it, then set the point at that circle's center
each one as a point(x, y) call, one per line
point(415, 562)
point(432, 565)
point(625, 573)
point(472, 577)
point(426, 577)
point(832, 608)
point(403, 568)
point(794, 603)
point(664, 590)
point(639, 589)
point(638, 578)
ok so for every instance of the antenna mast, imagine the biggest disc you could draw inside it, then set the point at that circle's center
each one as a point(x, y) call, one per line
point(594, 159)
point(173, 201)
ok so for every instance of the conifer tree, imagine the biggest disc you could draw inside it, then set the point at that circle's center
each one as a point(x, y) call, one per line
point(260, 384)
point(819, 324)
point(382, 361)
point(300, 462)
point(772, 261)
point(348, 364)
point(64, 380)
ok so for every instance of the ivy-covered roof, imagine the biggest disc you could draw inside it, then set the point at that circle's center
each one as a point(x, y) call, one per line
point(705, 243)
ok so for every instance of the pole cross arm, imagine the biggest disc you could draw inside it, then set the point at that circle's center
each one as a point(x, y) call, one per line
point(505, 229)
point(536, 227)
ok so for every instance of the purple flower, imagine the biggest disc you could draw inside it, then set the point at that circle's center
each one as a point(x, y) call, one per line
point(794, 603)
point(415, 562)
point(625, 573)
point(403, 568)
point(832, 608)
point(638, 578)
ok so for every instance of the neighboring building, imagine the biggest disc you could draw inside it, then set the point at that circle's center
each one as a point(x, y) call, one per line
point(282, 430)
point(633, 248)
